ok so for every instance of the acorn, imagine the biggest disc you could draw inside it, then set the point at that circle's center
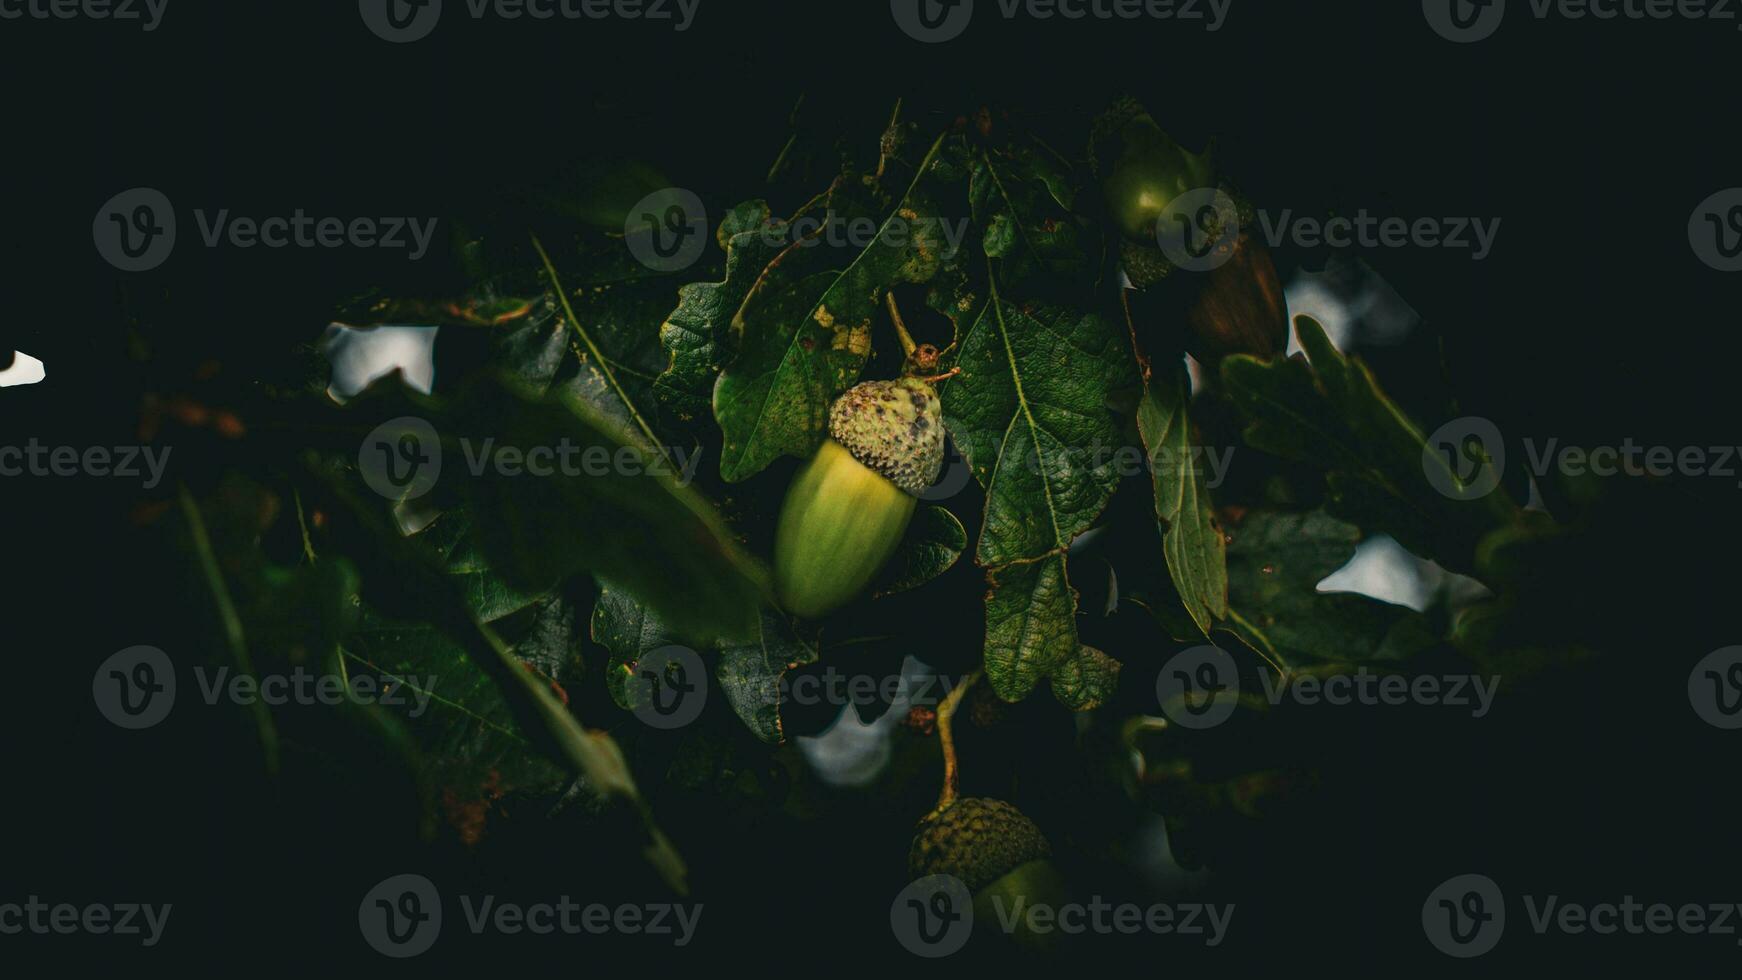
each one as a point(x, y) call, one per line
point(1241, 309)
point(1142, 169)
point(998, 853)
point(850, 504)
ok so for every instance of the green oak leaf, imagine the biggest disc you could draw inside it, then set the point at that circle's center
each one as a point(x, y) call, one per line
point(1275, 563)
point(1021, 196)
point(614, 336)
point(1030, 413)
point(694, 335)
point(1031, 624)
point(935, 539)
point(1191, 542)
point(1086, 680)
point(623, 625)
point(803, 333)
point(467, 731)
point(751, 674)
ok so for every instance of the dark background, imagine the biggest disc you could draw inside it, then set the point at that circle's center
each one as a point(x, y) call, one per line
point(1591, 322)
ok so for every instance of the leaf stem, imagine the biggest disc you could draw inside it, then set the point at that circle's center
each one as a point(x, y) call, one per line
point(598, 356)
point(308, 548)
point(234, 637)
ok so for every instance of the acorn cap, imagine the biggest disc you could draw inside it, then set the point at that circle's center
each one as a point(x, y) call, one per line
point(894, 427)
point(977, 840)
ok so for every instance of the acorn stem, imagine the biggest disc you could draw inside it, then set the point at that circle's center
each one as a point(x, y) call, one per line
point(946, 738)
point(935, 378)
point(907, 344)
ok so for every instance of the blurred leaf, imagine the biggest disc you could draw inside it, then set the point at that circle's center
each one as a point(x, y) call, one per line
point(631, 521)
point(408, 580)
point(1332, 414)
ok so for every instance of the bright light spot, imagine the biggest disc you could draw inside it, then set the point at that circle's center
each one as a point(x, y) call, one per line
point(1384, 570)
point(852, 753)
point(25, 370)
point(1307, 296)
point(360, 356)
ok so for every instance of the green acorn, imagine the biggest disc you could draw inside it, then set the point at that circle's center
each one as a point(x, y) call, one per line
point(1142, 169)
point(850, 503)
point(998, 853)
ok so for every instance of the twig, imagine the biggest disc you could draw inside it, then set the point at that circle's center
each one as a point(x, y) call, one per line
point(946, 738)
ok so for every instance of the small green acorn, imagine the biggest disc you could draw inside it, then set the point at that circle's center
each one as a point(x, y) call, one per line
point(849, 505)
point(999, 854)
point(1142, 169)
